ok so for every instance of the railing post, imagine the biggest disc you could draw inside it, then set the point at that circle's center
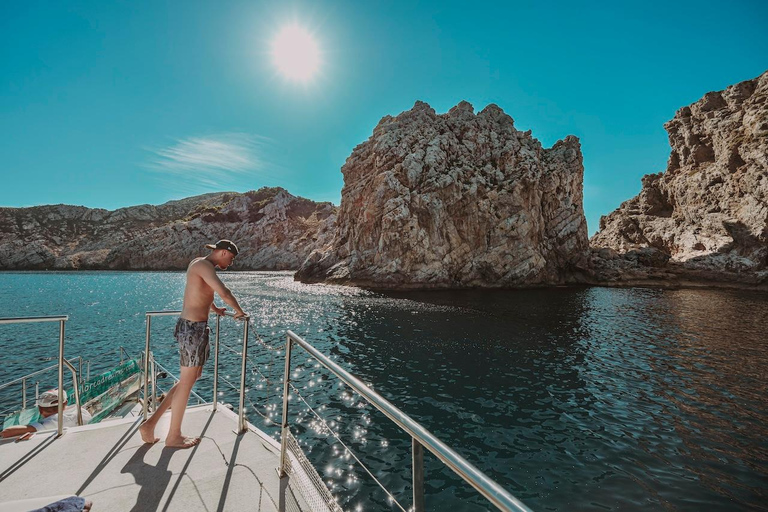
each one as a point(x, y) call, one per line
point(216, 364)
point(76, 387)
point(418, 475)
point(60, 428)
point(146, 368)
point(154, 384)
point(241, 418)
point(23, 394)
point(286, 382)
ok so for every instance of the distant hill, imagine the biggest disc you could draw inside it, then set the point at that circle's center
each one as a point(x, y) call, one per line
point(273, 229)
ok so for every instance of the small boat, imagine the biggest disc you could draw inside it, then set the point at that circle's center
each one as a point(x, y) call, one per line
point(109, 395)
point(236, 466)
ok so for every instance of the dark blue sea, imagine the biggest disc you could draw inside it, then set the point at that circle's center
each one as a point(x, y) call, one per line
point(571, 398)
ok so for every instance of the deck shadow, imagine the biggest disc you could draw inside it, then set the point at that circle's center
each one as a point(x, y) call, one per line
point(109, 456)
point(152, 480)
point(230, 468)
point(26, 457)
point(186, 464)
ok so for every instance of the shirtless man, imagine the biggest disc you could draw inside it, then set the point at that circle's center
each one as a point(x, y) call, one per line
point(192, 333)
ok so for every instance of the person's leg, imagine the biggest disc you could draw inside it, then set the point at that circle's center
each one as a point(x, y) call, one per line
point(147, 430)
point(189, 375)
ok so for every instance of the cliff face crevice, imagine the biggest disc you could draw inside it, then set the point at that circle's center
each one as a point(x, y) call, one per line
point(455, 200)
point(274, 230)
point(708, 212)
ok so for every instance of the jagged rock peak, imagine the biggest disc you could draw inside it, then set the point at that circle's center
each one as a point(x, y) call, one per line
point(708, 211)
point(421, 106)
point(461, 108)
point(455, 200)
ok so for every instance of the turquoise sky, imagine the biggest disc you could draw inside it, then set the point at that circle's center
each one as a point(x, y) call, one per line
point(110, 104)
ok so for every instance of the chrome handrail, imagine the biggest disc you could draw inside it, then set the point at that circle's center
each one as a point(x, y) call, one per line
point(77, 392)
point(420, 436)
point(38, 372)
point(241, 423)
point(194, 393)
point(61, 319)
point(34, 319)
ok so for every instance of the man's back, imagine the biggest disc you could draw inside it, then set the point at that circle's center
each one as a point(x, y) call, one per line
point(198, 295)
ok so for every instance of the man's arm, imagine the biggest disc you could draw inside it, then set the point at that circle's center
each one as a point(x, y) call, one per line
point(18, 430)
point(208, 274)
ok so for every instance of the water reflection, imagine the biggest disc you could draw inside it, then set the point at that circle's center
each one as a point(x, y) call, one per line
point(586, 399)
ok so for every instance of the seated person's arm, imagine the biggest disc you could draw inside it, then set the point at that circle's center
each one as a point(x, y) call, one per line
point(18, 430)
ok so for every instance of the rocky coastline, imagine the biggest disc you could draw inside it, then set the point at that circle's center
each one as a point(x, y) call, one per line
point(274, 229)
point(704, 220)
point(459, 200)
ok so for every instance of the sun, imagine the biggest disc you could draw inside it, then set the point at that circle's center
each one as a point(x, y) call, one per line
point(295, 53)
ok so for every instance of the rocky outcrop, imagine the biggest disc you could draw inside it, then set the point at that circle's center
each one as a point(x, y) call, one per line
point(706, 217)
point(456, 200)
point(273, 229)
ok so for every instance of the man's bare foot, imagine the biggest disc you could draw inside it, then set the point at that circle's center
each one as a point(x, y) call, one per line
point(148, 434)
point(181, 442)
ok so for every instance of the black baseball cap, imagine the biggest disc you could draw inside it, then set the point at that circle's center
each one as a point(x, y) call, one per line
point(224, 244)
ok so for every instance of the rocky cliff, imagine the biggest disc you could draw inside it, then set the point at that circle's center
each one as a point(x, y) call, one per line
point(456, 200)
point(706, 217)
point(273, 229)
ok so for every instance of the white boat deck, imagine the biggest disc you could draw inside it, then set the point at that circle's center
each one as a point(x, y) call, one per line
point(110, 465)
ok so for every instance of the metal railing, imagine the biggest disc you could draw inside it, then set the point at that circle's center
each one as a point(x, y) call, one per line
point(62, 362)
point(200, 399)
point(421, 437)
point(23, 380)
point(241, 423)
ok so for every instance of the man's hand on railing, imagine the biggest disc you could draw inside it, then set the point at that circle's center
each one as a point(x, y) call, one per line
point(241, 315)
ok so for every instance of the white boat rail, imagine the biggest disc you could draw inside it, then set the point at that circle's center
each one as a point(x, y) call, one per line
point(62, 362)
point(420, 436)
point(241, 423)
point(28, 376)
point(200, 399)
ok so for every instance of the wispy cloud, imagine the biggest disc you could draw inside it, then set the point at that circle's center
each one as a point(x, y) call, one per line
point(211, 161)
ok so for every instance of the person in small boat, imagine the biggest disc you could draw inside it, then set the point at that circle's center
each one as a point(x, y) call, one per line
point(48, 405)
point(192, 333)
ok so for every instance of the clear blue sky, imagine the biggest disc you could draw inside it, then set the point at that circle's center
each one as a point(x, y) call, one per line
point(110, 104)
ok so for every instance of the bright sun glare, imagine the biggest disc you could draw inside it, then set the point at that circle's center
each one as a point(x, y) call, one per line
point(295, 53)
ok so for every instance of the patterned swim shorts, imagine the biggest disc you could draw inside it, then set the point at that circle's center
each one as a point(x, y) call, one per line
point(194, 348)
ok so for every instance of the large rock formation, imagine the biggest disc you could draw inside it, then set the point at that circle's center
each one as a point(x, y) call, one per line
point(706, 217)
point(274, 230)
point(456, 200)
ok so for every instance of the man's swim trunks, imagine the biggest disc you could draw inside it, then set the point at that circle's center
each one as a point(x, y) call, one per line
point(194, 349)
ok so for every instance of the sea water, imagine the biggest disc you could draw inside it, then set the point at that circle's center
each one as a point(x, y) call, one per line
point(570, 398)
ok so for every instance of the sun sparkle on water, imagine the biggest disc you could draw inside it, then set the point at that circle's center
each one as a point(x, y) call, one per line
point(295, 53)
